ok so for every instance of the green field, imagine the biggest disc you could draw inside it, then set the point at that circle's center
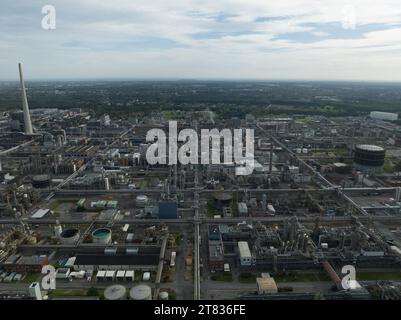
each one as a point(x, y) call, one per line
point(224, 276)
point(68, 293)
point(247, 278)
point(301, 277)
point(30, 277)
point(372, 276)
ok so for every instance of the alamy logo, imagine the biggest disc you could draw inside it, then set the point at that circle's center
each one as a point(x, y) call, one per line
point(210, 147)
point(49, 20)
point(49, 278)
point(348, 281)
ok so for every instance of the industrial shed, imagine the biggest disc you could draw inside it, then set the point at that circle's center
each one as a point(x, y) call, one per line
point(116, 262)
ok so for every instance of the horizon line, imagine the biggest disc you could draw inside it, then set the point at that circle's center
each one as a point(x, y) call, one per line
point(149, 79)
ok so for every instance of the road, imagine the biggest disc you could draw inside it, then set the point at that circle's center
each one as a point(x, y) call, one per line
point(231, 290)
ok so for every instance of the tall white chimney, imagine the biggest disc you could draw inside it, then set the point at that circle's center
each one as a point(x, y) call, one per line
point(27, 116)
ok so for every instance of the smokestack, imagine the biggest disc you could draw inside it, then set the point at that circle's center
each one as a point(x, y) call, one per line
point(271, 156)
point(27, 116)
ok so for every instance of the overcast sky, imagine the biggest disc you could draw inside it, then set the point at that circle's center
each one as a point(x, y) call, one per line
point(233, 39)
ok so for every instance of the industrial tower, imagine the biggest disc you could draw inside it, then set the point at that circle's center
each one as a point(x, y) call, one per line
point(27, 116)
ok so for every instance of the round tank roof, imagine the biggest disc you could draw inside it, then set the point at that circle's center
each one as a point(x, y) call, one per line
point(163, 295)
point(142, 198)
point(115, 292)
point(141, 292)
point(223, 196)
point(69, 233)
point(101, 232)
point(369, 147)
point(41, 177)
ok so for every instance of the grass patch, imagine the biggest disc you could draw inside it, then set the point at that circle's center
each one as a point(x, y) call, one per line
point(31, 277)
point(246, 277)
point(223, 276)
point(68, 293)
point(211, 210)
point(177, 239)
point(372, 276)
point(388, 167)
point(172, 295)
point(301, 277)
point(56, 203)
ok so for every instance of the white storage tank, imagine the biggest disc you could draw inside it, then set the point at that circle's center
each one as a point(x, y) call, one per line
point(58, 230)
point(101, 236)
point(115, 292)
point(106, 184)
point(141, 292)
point(142, 200)
point(69, 236)
point(163, 295)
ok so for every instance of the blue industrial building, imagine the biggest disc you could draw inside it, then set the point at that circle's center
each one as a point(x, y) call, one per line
point(168, 210)
point(213, 232)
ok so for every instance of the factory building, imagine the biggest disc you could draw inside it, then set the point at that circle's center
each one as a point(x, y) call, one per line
point(80, 152)
point(242, 209)
point(213, 232)
point(168, 210)
point(245, 255)
point(378, 115)
point(17, 263)
point(34, 291)
point(88, 181)
point(266, 285)
point(116, 262)
point(216, 255)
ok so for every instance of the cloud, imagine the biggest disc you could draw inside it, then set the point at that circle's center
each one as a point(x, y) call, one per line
point(285, 39)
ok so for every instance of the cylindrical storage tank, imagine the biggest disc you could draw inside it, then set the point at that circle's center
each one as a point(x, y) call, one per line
point(369, 157)
point(106, 184)
point(41, 181)
point(141, 292)
point(141, 200)
point(101, 236)
point(58, 230)
point(115, 292)
point(69, 236)
point(163, 295)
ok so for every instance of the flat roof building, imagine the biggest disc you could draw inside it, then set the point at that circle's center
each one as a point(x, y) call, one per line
point(245, 255)
point(266, 285)
point(116, 262)
point(384, 115)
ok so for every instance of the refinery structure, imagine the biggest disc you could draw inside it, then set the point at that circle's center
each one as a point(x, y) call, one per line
point(77, 193)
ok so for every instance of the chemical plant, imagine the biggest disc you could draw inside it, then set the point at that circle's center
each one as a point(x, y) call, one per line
point(79, 194)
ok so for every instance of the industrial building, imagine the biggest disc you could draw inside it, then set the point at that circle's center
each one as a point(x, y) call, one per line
point(116, 262)
point(378, 115)
point(17, 263)
point(168, 210)
point(245, 255)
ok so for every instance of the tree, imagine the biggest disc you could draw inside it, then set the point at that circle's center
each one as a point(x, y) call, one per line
point(397, 166)
point(92, 292)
